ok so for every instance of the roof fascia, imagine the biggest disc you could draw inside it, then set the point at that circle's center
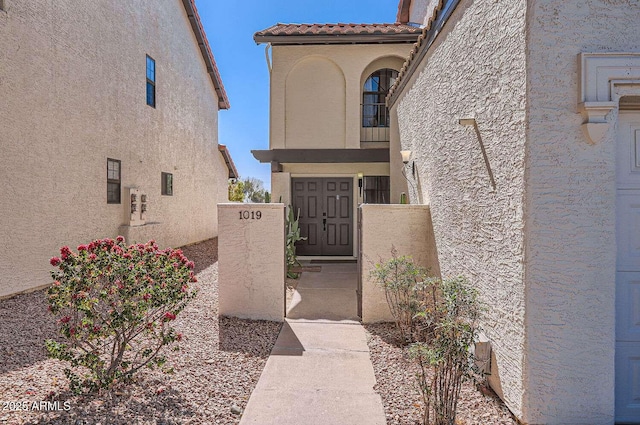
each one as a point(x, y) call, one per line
point(336, 39)
point(233, 172)
point(207, 55)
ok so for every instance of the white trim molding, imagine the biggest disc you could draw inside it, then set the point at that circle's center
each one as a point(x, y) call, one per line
point(600, 75)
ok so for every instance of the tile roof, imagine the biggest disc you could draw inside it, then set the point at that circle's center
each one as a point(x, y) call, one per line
point(425, 40)
point(233, 171)
point(282, 33)
point(205, 49)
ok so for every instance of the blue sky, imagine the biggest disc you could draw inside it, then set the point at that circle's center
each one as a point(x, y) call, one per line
point(230, 26)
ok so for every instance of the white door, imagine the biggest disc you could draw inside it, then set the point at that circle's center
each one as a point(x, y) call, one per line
point(628, 270)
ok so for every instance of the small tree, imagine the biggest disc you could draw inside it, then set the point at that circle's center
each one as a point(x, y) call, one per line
point(253, 190)
point(443, 356)
point(115, 304)
point(236, 191)
point(404, 290)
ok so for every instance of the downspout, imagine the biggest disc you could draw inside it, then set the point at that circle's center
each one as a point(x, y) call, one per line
point(268, 57)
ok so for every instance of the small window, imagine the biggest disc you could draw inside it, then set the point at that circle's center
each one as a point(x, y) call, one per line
point(113, 181)
point(151, 82)
point(376, 190)
point(167, 184)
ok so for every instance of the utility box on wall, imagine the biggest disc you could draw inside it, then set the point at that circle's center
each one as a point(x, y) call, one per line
point(137, 207)
point(251, 261)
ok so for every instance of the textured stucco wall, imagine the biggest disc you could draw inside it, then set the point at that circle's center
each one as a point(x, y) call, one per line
point(72, 90)
point(281, 187)
point(422, 11)
point(331, 76)
point(411, 234)
point(570, 210)
point(251, 260)
point(476, 68)
point(315, 112)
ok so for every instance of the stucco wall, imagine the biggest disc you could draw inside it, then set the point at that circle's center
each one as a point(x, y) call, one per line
point(72, 84)
point(251, 260)
point(422, 11)
point(316, 92)
point(411, 234)
point(476, 68)
point(570, 210)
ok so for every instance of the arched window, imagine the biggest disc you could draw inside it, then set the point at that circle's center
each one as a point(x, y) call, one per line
point(376, 88)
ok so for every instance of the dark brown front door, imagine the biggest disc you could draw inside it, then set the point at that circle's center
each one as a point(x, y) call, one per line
point(325, 206)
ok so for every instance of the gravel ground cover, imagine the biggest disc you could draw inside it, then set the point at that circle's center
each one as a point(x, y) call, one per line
point(395, 376)
point(215, 371)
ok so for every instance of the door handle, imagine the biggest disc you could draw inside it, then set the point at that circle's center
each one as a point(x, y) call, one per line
point(324, 224)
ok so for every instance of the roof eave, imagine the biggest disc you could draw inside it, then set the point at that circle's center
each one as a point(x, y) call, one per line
point(336, 39)
point(207, 55)
point(233, 172)
point(420, 50)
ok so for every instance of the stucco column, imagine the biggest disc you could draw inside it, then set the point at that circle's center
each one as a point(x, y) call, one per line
point(252, 267)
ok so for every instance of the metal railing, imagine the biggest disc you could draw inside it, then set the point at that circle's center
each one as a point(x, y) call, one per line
point(375, 122)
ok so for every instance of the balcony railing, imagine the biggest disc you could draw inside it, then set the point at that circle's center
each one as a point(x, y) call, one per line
point(375, 123)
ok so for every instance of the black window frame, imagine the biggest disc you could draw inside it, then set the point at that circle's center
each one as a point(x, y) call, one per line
point(375, 113)
point(112, 181)
point(166, 185)
point(151, 82)
point(377, 190)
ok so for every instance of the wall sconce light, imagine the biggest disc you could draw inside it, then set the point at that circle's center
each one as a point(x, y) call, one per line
point(471, 122)
point(406, 155)
point(360, 177)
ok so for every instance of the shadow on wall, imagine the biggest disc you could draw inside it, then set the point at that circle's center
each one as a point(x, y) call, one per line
point(434, 258)
point(251, 337)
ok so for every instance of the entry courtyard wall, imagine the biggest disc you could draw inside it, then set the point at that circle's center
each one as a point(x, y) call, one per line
point(251, 261)
point(408, 229)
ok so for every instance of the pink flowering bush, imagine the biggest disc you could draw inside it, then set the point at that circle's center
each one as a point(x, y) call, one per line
point(115, 305)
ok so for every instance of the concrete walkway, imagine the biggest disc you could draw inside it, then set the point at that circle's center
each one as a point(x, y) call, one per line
point(319, 371)
point(328, 294)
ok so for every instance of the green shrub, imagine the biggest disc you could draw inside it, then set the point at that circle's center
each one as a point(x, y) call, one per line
point(406, 289)
point(115, 304)
point(293, 236)
point(443, 354)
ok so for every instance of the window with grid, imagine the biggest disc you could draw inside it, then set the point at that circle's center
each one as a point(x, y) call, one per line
point(113, 181)
point(167, 184)
point(377, 190)
point(375, 90)
point(151, 82)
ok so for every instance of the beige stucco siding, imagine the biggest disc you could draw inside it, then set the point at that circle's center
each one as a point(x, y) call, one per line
point(316, 92)
point(410, 235)
point(570, 210)
point(477, 69)
point(72, 84)
point(422, 11)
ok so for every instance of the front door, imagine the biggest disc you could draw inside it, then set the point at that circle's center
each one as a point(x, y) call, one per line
point(326, 218)
point(628, 270)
